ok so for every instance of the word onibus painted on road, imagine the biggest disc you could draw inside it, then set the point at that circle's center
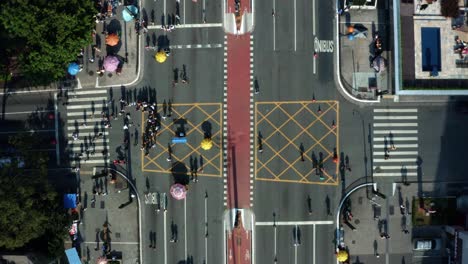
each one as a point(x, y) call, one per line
point(323, 45)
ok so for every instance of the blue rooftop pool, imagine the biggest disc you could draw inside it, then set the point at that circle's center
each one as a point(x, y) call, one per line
point(430, 48)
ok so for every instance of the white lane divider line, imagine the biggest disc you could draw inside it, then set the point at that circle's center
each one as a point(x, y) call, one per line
point(275, 249)
point(313, 17)
point(388, 132)
point(86, 99)
point(274, 25)
point(407, 167)
point(379, 146)
point(56, 123)
point(225, 122)
point(197, 46)
point(295, 26)
point(396, 153)
point(29, 112)
point(115, 242)
point(165, 237)
point(185, 228)
point(294, 223)
point(394, 174)
point(87, 106)
point(87, 92)
point(313, 244)
point(314, 65)
point(295, 255)
point(388, 139)
point(395, 124)
point(395, 117)
point(401, 110)
point(206, 228)
point(204, 25)
point(390, 160)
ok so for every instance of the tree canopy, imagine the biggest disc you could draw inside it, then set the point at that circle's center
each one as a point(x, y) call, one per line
point(29, 205)
point(45, 35)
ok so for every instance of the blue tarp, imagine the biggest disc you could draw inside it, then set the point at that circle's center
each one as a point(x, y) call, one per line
point(430, 48)
point(69, 200)
point(72, 256)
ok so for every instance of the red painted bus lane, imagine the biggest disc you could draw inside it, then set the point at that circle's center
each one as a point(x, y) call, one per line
point(238, 118)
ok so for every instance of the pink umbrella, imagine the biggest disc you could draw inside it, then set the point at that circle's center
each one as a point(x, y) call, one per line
point(111, 63)
point(178, 191)
point(102, 260)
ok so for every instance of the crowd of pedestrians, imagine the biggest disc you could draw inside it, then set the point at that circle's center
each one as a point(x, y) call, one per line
point(105, 8)
point(152, 123)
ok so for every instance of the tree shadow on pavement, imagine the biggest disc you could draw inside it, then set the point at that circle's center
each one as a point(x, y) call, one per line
point(114, 27)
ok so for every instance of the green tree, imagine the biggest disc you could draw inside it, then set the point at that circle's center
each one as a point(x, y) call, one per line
point(50, 34)
point(30, 207)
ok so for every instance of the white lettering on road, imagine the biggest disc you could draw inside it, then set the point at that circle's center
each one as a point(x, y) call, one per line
point(323, 45)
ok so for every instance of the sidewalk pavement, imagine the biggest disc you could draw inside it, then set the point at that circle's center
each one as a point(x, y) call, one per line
point(128, 50)
point(372, 218)
point(357, 73)
point(121, 222)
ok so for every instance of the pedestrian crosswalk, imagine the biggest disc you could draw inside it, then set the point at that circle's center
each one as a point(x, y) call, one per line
point(395, 142)
point(88, 138)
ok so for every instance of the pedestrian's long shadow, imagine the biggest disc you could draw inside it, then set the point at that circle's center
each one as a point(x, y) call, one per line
point(163, 42)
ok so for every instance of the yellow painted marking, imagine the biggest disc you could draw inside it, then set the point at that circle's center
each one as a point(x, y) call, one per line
point(326, 107)
point(178, 113)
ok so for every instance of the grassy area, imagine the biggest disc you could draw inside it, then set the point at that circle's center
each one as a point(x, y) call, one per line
point(444, 207)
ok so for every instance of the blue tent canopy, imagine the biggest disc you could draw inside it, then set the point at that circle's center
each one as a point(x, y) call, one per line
point(72, 256)
point(69, 200)
point(129, 12)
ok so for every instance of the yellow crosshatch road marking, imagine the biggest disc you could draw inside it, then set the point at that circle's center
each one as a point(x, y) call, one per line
point(290, 133)
point(209, 162)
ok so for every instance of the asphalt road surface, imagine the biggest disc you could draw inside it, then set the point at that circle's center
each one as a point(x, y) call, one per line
point(30, 113)
point(300, 117)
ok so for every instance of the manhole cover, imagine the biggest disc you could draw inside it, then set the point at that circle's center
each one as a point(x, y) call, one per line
point(357, 221)
point(353, 242)
point(91, 73)
point(110, 75)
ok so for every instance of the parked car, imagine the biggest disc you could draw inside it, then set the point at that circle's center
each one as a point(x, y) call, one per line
point(423, 244)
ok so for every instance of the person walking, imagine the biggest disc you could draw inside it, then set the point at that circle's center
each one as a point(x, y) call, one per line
point(152, 17)
point(183, 74)
point(309, 204)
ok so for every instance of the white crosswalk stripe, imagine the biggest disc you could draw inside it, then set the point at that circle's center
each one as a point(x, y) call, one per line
point(398, 128)
point(84, 110)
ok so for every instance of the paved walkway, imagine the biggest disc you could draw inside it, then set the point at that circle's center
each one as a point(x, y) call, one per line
point(373, 216)
point(116, 211)
point(357, 74)
point(128, 49)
